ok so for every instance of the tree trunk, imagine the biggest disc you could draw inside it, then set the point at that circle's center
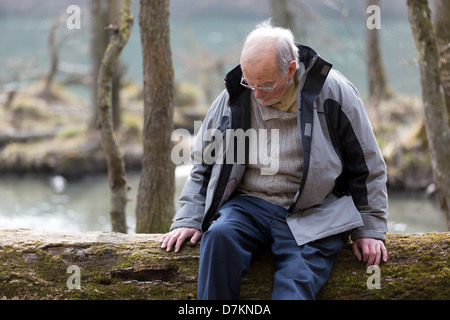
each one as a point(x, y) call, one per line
point(112, 14)
point(116, 166)
point(378, 88)
point(155, 203)
point(43, 265)
point(282, 14)
point(442, 29)
point(98, 46)
point(103, 13)
point(436, 115)
point(53, 48)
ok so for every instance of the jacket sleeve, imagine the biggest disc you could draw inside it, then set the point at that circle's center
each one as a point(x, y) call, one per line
point(364, 166)
point(193, 197)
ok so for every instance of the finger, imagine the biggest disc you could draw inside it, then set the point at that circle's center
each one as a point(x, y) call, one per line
point(196, 237)
point(172, 241)
point(384, 252)
point(371, 255)
point(377, 259)
point(356, 251)
point(365, 253)
point(178, 244)
point(191, 234)
point(165, 239)
point(181, 237)
point(377, 252)
point(377, 255)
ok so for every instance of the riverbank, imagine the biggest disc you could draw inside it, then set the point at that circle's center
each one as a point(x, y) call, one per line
point(50, 136)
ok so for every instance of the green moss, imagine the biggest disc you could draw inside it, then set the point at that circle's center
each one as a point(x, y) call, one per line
point(71, 131)
point(418, 268)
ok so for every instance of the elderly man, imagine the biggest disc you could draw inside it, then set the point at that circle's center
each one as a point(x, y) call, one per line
point(330, 181)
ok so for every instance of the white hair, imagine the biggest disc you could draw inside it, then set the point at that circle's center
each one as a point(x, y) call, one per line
point(286, 50)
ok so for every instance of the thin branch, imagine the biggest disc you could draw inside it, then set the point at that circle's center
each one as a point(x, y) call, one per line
point(116, 166)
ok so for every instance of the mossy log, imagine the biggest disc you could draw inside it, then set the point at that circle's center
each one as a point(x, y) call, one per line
point(105, 265)
point(23, 137)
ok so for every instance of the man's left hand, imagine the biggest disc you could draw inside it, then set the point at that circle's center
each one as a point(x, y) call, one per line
point(370, 251)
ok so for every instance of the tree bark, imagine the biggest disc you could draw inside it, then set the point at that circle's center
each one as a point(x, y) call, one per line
point(103, 13)
point(282, 14)
point(155, 203)
point(116, 166)
point(35, 265)
point(98, 46)
point(54, 60)
point(378, 87)
point(442, 29)
point(436, 115)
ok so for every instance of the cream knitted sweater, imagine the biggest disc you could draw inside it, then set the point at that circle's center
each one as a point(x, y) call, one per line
point(280, 185)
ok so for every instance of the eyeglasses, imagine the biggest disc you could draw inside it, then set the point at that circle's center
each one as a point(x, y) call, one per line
point(245, 84)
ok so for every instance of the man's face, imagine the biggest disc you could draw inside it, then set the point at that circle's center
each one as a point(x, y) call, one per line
point(266, 75)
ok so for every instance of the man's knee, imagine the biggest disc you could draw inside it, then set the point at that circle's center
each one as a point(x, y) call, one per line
point(219, 235)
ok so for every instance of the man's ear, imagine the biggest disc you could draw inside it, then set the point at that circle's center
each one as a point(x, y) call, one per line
point(292, 68)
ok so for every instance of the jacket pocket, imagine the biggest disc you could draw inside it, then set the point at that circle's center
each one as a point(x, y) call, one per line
point(335, 215)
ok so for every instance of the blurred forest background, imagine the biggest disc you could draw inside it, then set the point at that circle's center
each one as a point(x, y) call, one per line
point(53, 173)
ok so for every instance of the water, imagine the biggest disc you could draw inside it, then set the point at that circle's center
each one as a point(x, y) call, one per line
point(208, 39)
point(83, 205)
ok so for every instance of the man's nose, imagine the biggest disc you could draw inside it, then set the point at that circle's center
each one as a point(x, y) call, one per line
point(259, 93)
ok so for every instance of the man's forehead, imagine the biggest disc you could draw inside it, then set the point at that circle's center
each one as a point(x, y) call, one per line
point(259, 61)
point(261, 71)
point(259, 46)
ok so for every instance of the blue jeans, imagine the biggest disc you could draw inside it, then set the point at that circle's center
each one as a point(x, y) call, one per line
point(247, 226)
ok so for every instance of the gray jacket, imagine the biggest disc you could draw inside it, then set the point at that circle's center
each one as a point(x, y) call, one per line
point(343, 186)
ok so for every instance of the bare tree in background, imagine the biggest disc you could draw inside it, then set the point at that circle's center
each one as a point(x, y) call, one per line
point(116, 166)
point(442, 29)
point(378, 87)
point(282, 15)
point(155, 204)
point(103, 13)
point(53, 46)
point(295, 15)
point(436, 113)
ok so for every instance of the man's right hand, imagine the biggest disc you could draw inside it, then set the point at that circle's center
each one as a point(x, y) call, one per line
point(178, 236)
